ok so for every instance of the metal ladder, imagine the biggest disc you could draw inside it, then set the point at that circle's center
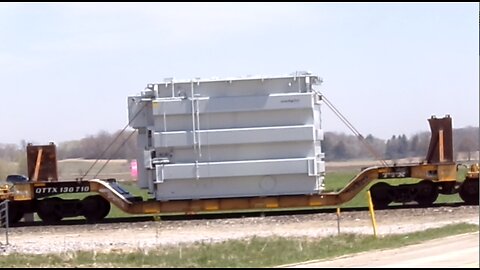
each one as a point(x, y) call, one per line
point(197, 144)
point(4, 222)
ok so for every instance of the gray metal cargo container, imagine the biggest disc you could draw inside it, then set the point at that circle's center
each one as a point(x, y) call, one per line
point(234, 137)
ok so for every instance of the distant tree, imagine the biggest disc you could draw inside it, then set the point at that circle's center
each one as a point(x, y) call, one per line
point(370, 139)
point(9, 152)
point(102, 145)
point(402, 150)
point(466, 145)
point(340, 151)
point(3, 170)
point(466, 140)
point(22, 167)
point(376, 148)
point(423, 143)
point(413, 145)
point(328, 143)
point(391, 148)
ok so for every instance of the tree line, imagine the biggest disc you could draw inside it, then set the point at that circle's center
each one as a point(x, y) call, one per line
point(347, 147)
point(336, 146)
point(339, 146)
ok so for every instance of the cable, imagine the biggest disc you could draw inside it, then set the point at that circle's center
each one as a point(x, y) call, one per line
point(108, 160)
point(118, 136)
point(351, 127)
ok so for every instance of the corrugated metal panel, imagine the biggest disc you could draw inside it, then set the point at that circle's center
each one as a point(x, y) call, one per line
point(218, 138)
point(172, 106)
point(235, 136)
point(231, 169)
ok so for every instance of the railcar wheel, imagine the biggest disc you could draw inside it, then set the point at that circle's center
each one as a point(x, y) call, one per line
point(95, 208)
point(469, 192)
point(380, 193)
point(427, 193)
point(49, 210)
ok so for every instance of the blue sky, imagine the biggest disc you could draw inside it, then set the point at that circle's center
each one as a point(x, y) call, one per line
point(66, 69)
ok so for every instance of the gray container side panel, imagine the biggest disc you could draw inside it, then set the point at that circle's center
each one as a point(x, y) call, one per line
point(273, 118)
point(226, 88)
point(268, 185)
point(173, 106)
point(319, 134)
point(235, 136)
point(140, 113)
point(238, 152)
point(235, 168)
point(143, 179)
point(317, 117)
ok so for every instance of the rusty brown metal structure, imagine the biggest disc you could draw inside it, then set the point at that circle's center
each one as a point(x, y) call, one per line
point(42, 162)
point(440, 149)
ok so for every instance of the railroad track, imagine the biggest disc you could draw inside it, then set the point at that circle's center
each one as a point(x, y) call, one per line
point(203, 216)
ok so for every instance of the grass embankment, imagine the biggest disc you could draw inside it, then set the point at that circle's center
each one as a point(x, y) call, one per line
point(256, 252)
